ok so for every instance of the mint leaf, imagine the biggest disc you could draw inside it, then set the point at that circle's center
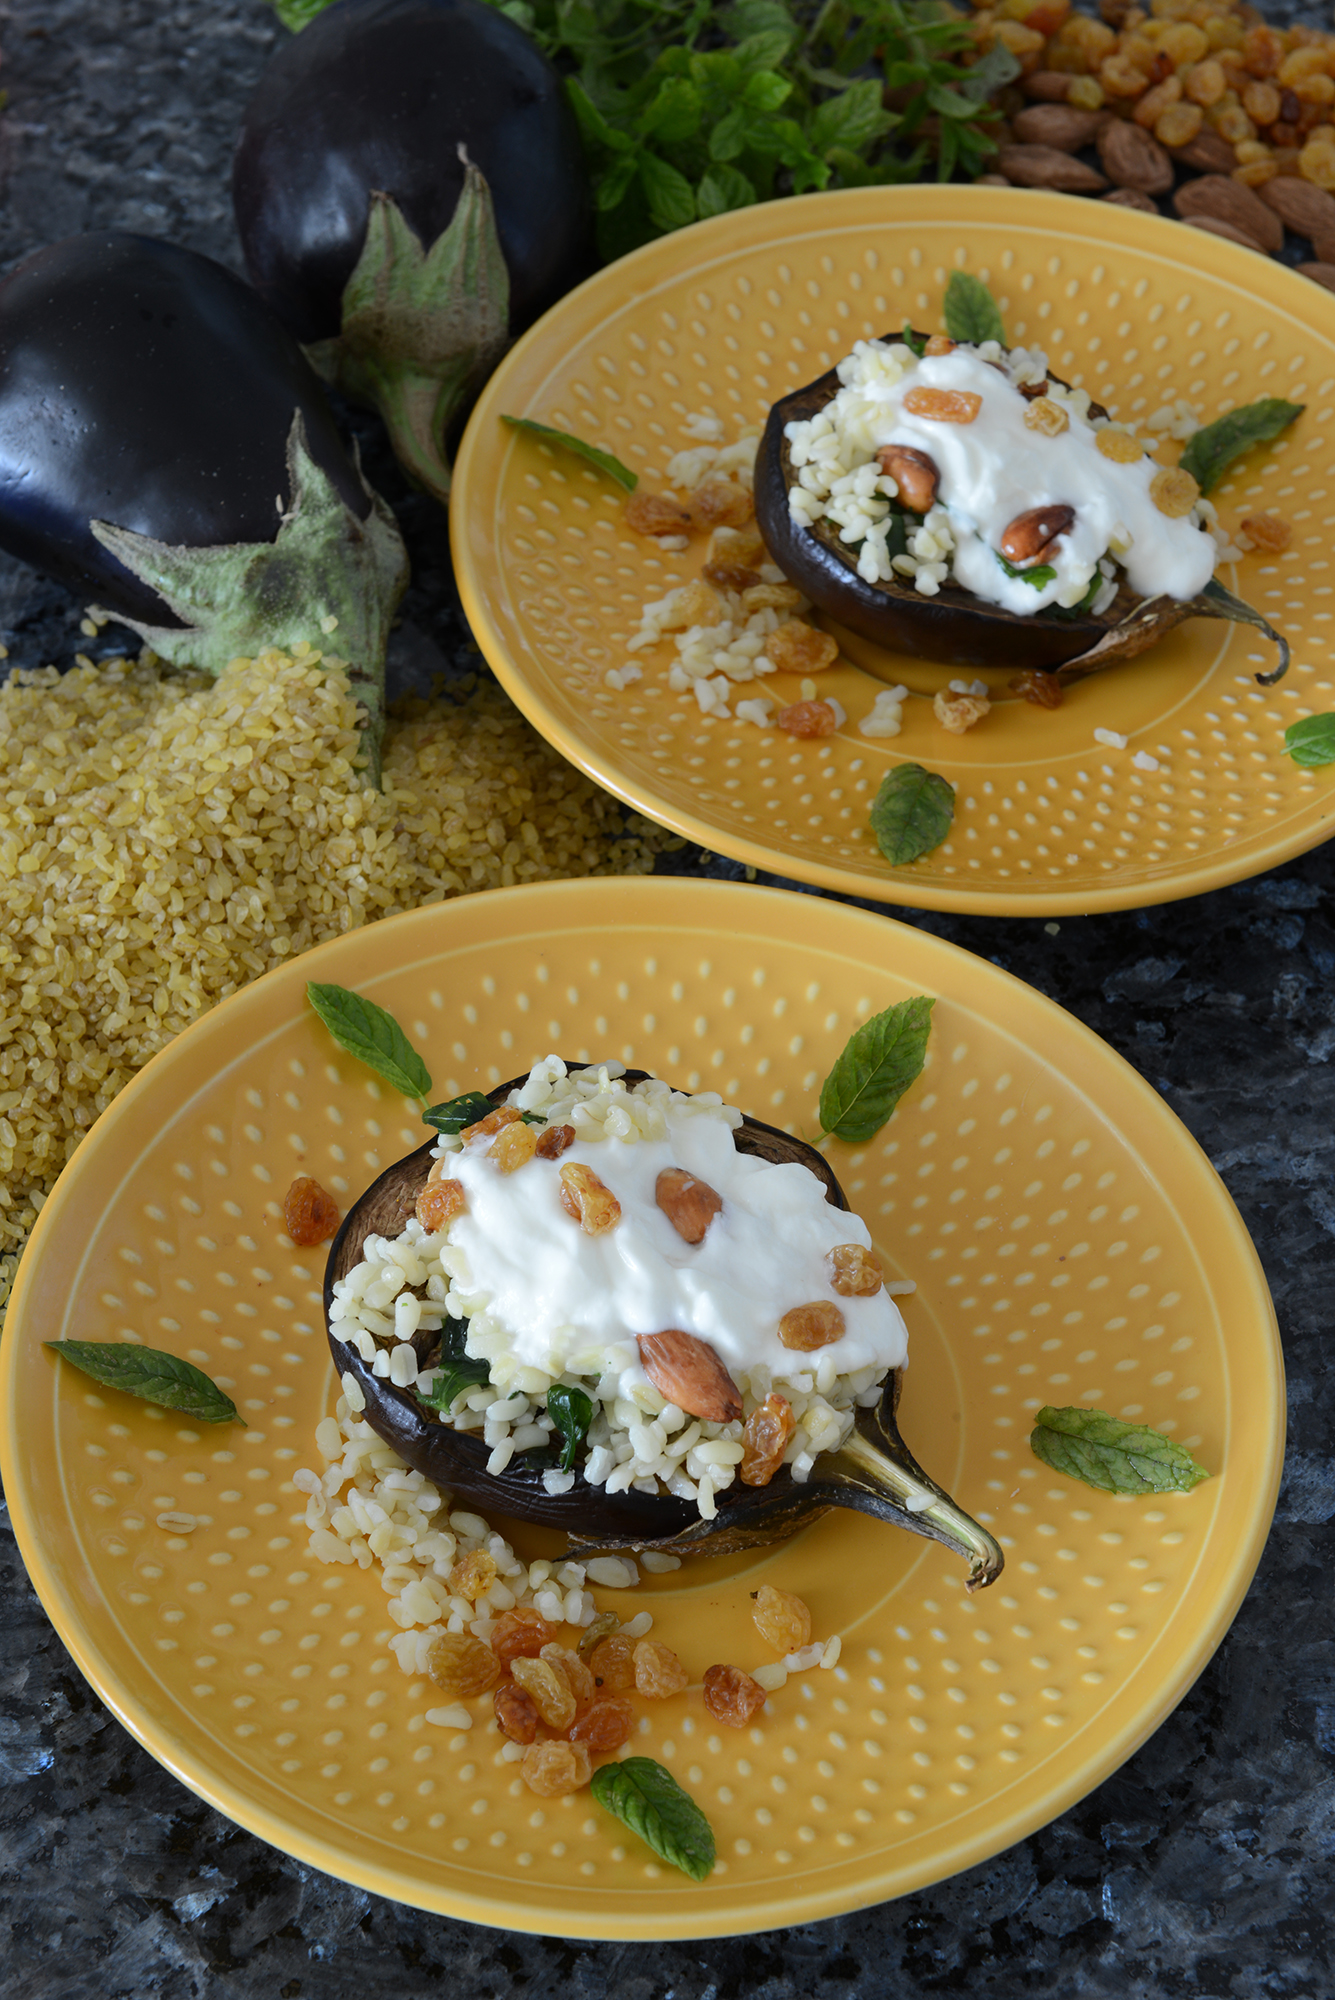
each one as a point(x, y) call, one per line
point(298, 14)
point(971, 312)
point(373, 1036)
point(1115, 1456)
point(1311, 742)
point(1038, 576)
point(912, 812)
point(572, 1413)
point(603, 460)
point(1215, 447)
point(721, 190)
point(879, 1062)
point(648, 1799)
point(455, 1371)
point(153, 1376)
point(458, 1112)
point(916, 341)
point(670, 195)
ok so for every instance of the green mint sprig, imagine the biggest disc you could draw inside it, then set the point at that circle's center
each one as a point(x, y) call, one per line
point(458, 1112)
point(1111, 1454)
point(456, 1371)
point(911, 813)
point(373, 1036)
point(1040, 575)
point(1213, 448)
point(879, 1062)
point(648, 1799)
point(971, 313)
point(572, 1413)
point(603, 461)
point(1311, 742)
point(153, 1376)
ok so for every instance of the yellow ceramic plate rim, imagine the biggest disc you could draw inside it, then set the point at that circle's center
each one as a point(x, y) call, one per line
point(584, 909)
point(643, 272)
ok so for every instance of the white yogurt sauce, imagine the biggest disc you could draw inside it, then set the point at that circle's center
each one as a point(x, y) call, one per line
point(569, 1302)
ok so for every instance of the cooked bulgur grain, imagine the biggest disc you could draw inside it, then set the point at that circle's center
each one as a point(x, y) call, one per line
point(165, 838)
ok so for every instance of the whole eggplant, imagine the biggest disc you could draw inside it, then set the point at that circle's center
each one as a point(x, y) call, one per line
point(144, 385)
point(378, 96)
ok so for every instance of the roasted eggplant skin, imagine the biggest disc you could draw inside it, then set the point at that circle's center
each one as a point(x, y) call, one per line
point(456, 1460)
point(954, 627)
point(378, 96)
point(144, 385)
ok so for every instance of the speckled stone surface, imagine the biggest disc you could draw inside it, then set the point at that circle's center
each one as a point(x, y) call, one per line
point(1203, 1869)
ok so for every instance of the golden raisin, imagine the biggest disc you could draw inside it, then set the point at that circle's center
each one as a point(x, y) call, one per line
point(487, 1128)
point(771, 597)
point(605, 1726)
point(555, 1140)
point(1119, 446)
point(655, 514)
point(718, 502)
point(593, 1635)
point(765, 1435)
point(742, 547)
point(578, 1678)
point(658, 1671)
point(1178, 125)
point(1174, 492)
point(1044, 690)
point(807, 1327)
point(807, 719)
point(554, 1769)
point(731, 1696)
point(548, 1689)
point(521, 1634)
point(460, 1664)
point(473, 1574)
point(516, 1716)
point(589, 1200)
point(730, 575)
point(796, 648)
point(439, 1203)
point(943, 406)
point(612, 1663)
point(855, 1272)
point(696, 605)
point(310, 1216)
point(782, 1620)
point(1047, 415)
point(1267, 531)
point(513, 1148)
point(939, 343)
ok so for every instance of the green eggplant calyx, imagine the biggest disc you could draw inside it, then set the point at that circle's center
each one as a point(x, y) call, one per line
point(901, 1489)
point(327, 579)
point(422, 329)
point(1148, 621)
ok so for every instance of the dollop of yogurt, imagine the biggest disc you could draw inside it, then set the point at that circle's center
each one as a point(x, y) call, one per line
point(547, 1296)
point(992, 470)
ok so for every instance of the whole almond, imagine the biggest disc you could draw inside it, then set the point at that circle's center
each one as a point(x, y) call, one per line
point(1321, 274)
point(1323, 248)
point(1131, 198)
point(1214, 227)
point(1064, 126)
point(1227, 200)
point(1133, 157)
point(689, 1373)
point(914, 472)
point(1032, 533)
point(1047, 86)
point(1207, 153)
point(690, 1205)
point(1306, 209)
point(1045, 167)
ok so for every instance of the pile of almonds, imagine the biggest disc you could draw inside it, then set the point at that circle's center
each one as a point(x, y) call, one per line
point(1204, 85)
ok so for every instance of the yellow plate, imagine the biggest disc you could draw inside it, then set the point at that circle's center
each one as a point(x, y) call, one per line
point(1070, 1243)
point(727, 316)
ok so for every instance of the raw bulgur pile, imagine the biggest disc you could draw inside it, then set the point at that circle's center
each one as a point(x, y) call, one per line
point(165, 838)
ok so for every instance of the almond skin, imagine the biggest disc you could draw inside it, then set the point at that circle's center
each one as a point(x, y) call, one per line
point(914, 472)
point(1045, 167)
point(1308, 210)
point(1047, 86)
point(689, 1205)
point(689, 1373)
point(1223, 199)
point(1320, 274)
point(1207, 153)
point(1131, 198)
point(1031, 534)
point(1133, 157)
point(1214, 227)
point(1064, 126)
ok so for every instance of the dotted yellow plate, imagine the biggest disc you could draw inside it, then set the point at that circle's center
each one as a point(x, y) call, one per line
point(1070, 1243)
point(727, 316)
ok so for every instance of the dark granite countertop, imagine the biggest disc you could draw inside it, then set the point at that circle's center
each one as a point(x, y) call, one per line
point(1202, 1869)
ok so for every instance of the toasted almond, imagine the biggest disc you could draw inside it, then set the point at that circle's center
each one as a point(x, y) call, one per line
point(1224, 229)
point(1031, 534)
point(1207, 153)
point(690, 1205)
point(1133, 157)
point(689, 1373)
point(1064, 126)
point(1222, 199)
point(1306, 209)
point(914, 472)
point(1045, 167)
point(1047, 86)
point(1323, 248)
point(1131, 198)
point(1320, 274)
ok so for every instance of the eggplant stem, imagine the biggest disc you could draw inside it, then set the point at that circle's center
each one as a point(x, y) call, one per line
point(904, 1493)
point(422, 330)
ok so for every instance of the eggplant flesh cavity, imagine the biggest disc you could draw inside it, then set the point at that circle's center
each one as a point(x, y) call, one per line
point(873, 1472)
point(956, 627)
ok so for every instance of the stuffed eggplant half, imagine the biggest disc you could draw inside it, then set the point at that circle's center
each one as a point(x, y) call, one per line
point(959, 503)
point(634, 1314)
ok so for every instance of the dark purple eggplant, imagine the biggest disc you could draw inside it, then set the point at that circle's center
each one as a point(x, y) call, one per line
point(955, 626)
point(410, 191)
point(873, 1472)
point(155, 421)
